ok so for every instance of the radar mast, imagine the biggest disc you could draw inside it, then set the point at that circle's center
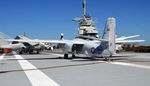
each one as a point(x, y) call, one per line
point(87, 29)
point(84, 6)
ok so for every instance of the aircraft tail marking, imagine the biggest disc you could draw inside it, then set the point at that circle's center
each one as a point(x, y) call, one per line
point(109, 33)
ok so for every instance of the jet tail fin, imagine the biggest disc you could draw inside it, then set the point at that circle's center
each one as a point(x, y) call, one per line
point(2, 39)
point(109, 34)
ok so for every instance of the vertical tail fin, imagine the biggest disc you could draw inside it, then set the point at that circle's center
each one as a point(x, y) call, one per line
point(109, 33)
point(2, 39)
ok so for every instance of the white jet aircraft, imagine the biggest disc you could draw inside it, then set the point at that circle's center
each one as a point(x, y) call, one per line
point(122, 40)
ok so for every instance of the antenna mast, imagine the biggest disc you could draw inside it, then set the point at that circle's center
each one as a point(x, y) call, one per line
point(24, 33)
point(84, 6)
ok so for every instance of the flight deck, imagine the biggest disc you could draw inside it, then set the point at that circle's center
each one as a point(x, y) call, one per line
point(124, 69)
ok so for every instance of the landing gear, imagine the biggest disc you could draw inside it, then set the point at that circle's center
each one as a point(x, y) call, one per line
point(73, 55)
point(37, 52)
point(106, 59)
point(65, 56)
point(20, 52)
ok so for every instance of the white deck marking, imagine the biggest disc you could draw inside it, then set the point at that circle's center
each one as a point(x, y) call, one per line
point(131, 65)
point(2, 57)
point(36, 77)
point(128, 64)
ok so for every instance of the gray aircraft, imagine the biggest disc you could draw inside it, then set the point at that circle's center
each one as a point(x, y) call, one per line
point(104, 47)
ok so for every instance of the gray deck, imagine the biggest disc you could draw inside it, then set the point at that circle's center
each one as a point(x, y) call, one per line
point(125, 69)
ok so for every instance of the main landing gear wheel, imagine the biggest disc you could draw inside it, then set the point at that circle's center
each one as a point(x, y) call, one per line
point(65, 56)
point(73, 56)
point(105, 59)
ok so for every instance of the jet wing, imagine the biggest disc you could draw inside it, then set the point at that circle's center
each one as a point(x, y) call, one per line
point(127, 37)
point(48, 41)
point(128, 41)
point(38, 41)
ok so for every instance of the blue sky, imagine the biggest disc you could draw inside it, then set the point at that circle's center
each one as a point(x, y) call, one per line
point(46, 19)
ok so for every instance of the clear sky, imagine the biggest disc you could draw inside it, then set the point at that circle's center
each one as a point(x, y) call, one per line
point(46, 19)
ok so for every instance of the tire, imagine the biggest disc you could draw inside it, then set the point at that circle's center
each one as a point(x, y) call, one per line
point(65, 56)
point(37, 52)
point(73, 56)
point(20, 52)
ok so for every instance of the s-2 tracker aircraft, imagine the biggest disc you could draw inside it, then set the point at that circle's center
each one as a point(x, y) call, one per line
point(104, 47)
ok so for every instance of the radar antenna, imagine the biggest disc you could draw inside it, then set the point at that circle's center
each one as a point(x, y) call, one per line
point(84, 6)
